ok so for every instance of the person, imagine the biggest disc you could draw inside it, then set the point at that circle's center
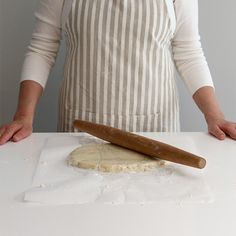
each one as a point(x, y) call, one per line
point(119, 66)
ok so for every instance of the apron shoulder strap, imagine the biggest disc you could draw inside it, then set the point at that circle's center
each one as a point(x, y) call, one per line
point(67, 4)
point(171, 11)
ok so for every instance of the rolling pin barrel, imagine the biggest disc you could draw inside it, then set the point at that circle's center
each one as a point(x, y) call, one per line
point(150, 147)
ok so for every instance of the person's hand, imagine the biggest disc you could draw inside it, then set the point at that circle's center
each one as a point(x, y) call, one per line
point(220, 128)
point(20, 128)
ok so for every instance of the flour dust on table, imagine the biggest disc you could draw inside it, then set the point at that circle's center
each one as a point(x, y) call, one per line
point(57, 183)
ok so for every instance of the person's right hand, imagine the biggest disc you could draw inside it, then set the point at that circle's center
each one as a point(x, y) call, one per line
point(18, 129)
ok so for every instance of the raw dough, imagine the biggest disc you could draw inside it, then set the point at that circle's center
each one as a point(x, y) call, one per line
point(108, 157)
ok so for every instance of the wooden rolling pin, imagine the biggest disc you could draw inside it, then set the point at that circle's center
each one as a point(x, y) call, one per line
point(141, 144)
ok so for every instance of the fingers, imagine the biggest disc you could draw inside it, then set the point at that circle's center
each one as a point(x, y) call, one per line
point(230, 129)
point(220, 131)
point(8, 131)
point(21, 134)
point(217, 132)
point(2, 130)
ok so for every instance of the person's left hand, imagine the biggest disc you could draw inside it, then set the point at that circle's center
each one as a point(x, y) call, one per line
point(220, 128)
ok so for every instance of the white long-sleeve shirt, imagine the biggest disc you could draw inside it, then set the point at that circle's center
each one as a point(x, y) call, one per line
point(187, 51)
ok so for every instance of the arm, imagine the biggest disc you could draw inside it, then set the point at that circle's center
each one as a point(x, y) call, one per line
point(43, 48)
point(22, 124)
point(39, 60)
point(192, 66)
point(30, 92)
point(188, 54)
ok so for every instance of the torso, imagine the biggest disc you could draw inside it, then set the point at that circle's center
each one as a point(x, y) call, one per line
point(119, 69)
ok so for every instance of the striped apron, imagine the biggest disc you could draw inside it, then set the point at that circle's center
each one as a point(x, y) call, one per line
point(119, 69)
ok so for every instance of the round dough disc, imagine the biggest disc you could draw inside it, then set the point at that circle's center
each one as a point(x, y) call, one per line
point(108, 157)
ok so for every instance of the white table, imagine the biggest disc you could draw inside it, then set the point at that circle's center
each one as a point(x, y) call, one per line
point(17, 163)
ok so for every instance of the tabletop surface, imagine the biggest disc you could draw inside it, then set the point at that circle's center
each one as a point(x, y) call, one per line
point(17, 166)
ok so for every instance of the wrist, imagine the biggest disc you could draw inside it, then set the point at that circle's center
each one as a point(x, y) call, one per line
point(214, 116)
point(19, 115)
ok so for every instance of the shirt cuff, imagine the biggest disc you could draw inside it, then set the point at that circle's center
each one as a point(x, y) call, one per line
point(197, 78)
point(35, 68)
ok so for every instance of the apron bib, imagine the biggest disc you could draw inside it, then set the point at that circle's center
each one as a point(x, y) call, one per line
point(119, 69)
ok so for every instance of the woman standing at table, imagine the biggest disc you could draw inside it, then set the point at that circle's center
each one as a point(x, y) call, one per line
point(119, 66)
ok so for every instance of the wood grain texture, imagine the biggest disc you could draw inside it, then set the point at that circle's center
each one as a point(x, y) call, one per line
point(153, 148)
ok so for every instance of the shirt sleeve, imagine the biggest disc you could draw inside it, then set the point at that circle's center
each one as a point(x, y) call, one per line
point(42, 51)
point(186, 46)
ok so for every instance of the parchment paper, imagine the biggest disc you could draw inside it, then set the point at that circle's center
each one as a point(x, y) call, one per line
point(56, 183)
